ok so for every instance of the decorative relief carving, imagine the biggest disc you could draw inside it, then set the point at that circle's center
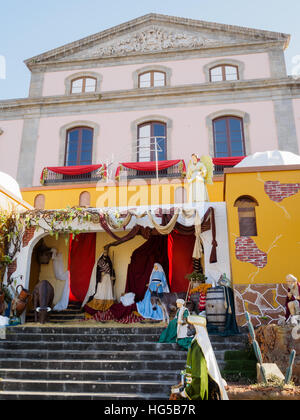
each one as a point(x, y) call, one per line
point(153, 39)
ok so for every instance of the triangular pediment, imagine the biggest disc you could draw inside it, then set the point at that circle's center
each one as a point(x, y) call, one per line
point(155, 34)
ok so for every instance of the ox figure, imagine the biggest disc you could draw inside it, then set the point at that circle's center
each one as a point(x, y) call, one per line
point(43, 296)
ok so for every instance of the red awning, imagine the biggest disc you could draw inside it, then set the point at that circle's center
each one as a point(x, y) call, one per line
point(228, 161)
point(151, 166)
point(72, 170)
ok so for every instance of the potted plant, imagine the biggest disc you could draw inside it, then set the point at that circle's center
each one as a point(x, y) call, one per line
point(196, 278)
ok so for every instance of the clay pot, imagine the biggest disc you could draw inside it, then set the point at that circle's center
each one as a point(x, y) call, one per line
point(24, 294)
point(19, 303)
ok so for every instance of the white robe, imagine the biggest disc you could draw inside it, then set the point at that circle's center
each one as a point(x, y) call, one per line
point(182, 330)
point(211, 361)
point(61, 275)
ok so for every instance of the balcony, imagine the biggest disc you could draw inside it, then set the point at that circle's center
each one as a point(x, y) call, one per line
point(73, 174)
point(151, 170)
point(226, 162)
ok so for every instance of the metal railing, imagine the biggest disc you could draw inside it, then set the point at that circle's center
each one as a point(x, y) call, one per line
point(53, 178)
point(219, 169)
point(172, 172)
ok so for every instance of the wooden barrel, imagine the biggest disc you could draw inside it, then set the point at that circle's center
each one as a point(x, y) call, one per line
point(215, 308)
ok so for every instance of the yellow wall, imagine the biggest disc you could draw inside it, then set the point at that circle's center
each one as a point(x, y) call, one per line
point(278, 226)
point(114, 196)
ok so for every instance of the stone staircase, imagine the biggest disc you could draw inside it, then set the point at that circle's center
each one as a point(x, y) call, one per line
point(93, 363)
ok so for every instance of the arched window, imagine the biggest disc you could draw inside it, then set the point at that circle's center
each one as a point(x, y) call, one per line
point(39, 202)
point(152, 142)
point(247, 215)
point(79, 146)
point(152, 79)
point(222, 73)
point(84, 85)
point(228, 137)
point(85, 199)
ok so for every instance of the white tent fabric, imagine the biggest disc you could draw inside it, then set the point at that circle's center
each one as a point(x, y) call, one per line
point(270, 158)
point(61, 275)
point(10, 185)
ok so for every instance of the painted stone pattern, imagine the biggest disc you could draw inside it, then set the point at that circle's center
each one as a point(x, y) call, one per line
point(278, 192)
point(264, 302)
point(246, 250)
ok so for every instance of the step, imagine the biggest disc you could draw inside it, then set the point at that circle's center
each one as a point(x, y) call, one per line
point(53, 396)
point(91, 375)
point(39, 385)
point(86, 364)
point(101, 334)
point(99, 347)
point(90, 354)
point(83, 330)
point(83, 338)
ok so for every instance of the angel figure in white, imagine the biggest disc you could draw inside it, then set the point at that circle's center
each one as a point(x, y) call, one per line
point(199, 173)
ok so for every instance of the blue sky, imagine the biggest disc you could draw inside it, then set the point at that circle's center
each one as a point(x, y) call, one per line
point(32, 27)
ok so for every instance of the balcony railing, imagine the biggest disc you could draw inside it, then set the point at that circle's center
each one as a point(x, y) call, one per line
point(223, 163)
point(151, 170)
point(71, 174)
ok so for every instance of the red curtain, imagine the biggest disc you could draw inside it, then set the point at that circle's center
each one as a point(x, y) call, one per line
point(180, 250)
point(82, 261)
point(155, 250)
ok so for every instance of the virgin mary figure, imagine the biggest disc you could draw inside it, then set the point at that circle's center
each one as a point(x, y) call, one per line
point(157, 285)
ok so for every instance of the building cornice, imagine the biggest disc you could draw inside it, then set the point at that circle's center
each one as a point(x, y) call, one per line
point(257, 89)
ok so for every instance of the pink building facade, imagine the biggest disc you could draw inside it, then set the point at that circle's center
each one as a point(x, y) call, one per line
point(196, 87)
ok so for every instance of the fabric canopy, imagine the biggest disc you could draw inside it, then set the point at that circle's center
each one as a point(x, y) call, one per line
point(73, 170)
point(151, 166)
point(228, 161)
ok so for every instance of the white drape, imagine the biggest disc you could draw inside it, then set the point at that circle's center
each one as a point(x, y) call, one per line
point(61, 275)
